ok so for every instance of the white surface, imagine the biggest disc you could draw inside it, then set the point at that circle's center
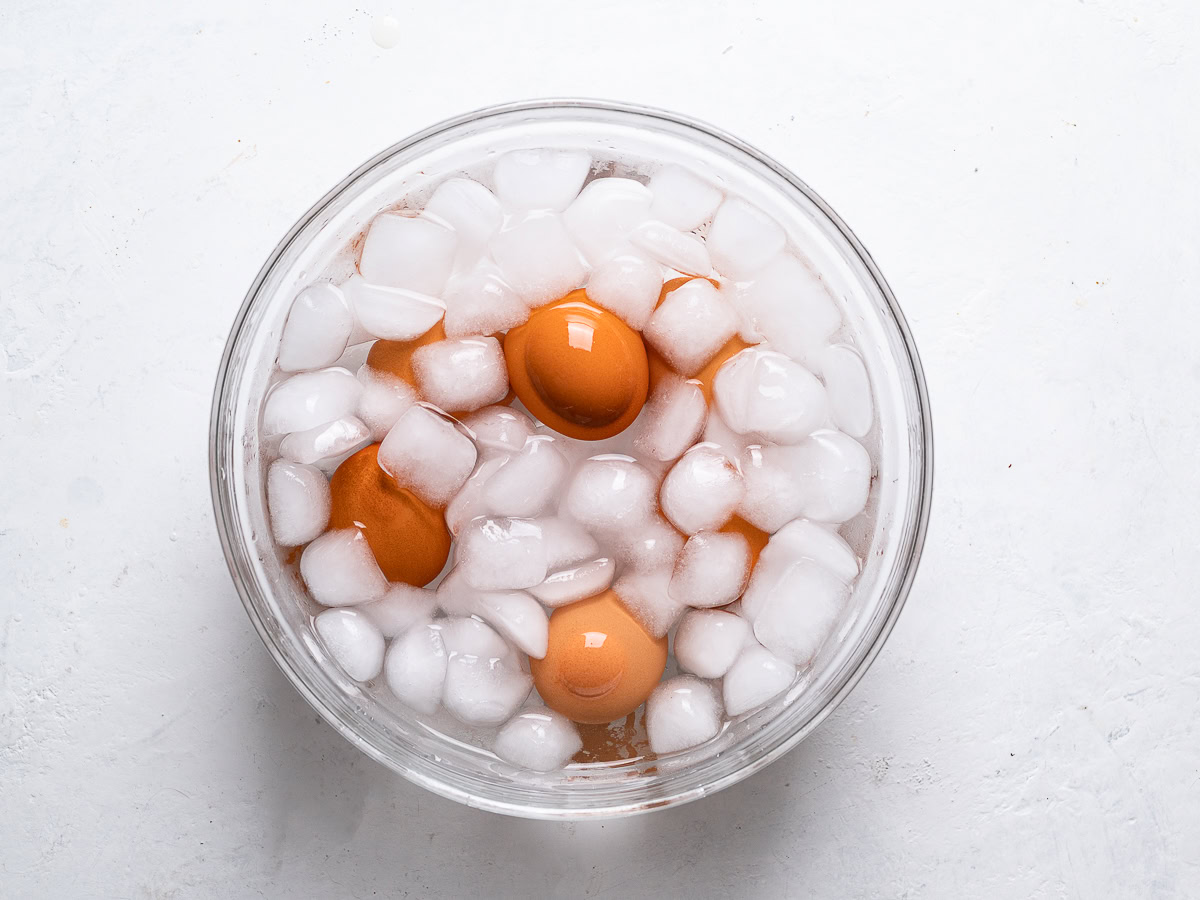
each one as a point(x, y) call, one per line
point(1026, 176)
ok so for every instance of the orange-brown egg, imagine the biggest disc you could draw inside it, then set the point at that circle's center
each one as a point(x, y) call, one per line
point(579, 369)
point(601, 664)
point(409, 539)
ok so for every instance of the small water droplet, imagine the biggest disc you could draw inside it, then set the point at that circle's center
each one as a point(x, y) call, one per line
point(174, 536)
point(385, 31)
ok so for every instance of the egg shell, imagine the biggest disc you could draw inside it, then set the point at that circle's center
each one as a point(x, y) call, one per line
point(409, 538)
point(579, 369)
point(600, 664)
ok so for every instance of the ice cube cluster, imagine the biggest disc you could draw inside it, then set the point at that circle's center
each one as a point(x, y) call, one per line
point(714, 517)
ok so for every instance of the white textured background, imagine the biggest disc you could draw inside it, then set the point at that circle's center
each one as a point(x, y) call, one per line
point(1027, 175)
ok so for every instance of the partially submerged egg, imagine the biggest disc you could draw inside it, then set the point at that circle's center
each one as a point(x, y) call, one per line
point(601, 664)
point(579, 369)
point(409, 539)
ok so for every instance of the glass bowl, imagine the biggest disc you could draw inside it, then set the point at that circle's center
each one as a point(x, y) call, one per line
point(320, 245)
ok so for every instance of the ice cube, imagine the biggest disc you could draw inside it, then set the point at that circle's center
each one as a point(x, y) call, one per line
point(691, 325)
point(472, 637)
point(310, 399)
point(501, 553)
point(331, 439)
point(702, 490)
point(518, 617)
point(836, 473)
point(396, 314)
point(682, 712)
point(340, 570)
point(500, 429)
point(708, 641)
point(566, 542)
point(774, 492)
point(742, 239)
point(540, 179)
point(538, 739)
point(712, 570)
point(514, 614)
point(317, 329)
point(471, 210)
point(646, 597)
point(627, 285)
point(455, 595)
point(849, 389)
point(352, 640)
point(682, 199)
point(794, 612)
point(425, 453)
point(602, 215)
point(577, 582)
point(537, 258)
point(461, 375)
point(406, 251)
point(401, 608)
point(754, 678)
point(673, 419)
point(484, 692)
point(480, 301)
point(298, 502)
point(650, 546)
point(469, 503)
point(729, 441)
point(736, 296)
point(527, 484)
point(671, 247)
point(384, 399)
point(768, 396)
point(415, 668)
point(791, 308)
point(610, 492)
point(356, 356)
point(802, 539)
point(484, 685)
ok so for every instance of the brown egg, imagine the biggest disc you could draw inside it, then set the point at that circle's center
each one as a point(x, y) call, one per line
point(659, 367)
point(579, 369)
point(409, 539)
point(601, 664)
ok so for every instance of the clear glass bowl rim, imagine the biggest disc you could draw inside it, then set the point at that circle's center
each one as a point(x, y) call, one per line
point(919, 519)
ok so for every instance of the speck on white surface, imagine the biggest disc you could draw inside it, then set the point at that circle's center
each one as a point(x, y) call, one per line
point(1025, 181)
